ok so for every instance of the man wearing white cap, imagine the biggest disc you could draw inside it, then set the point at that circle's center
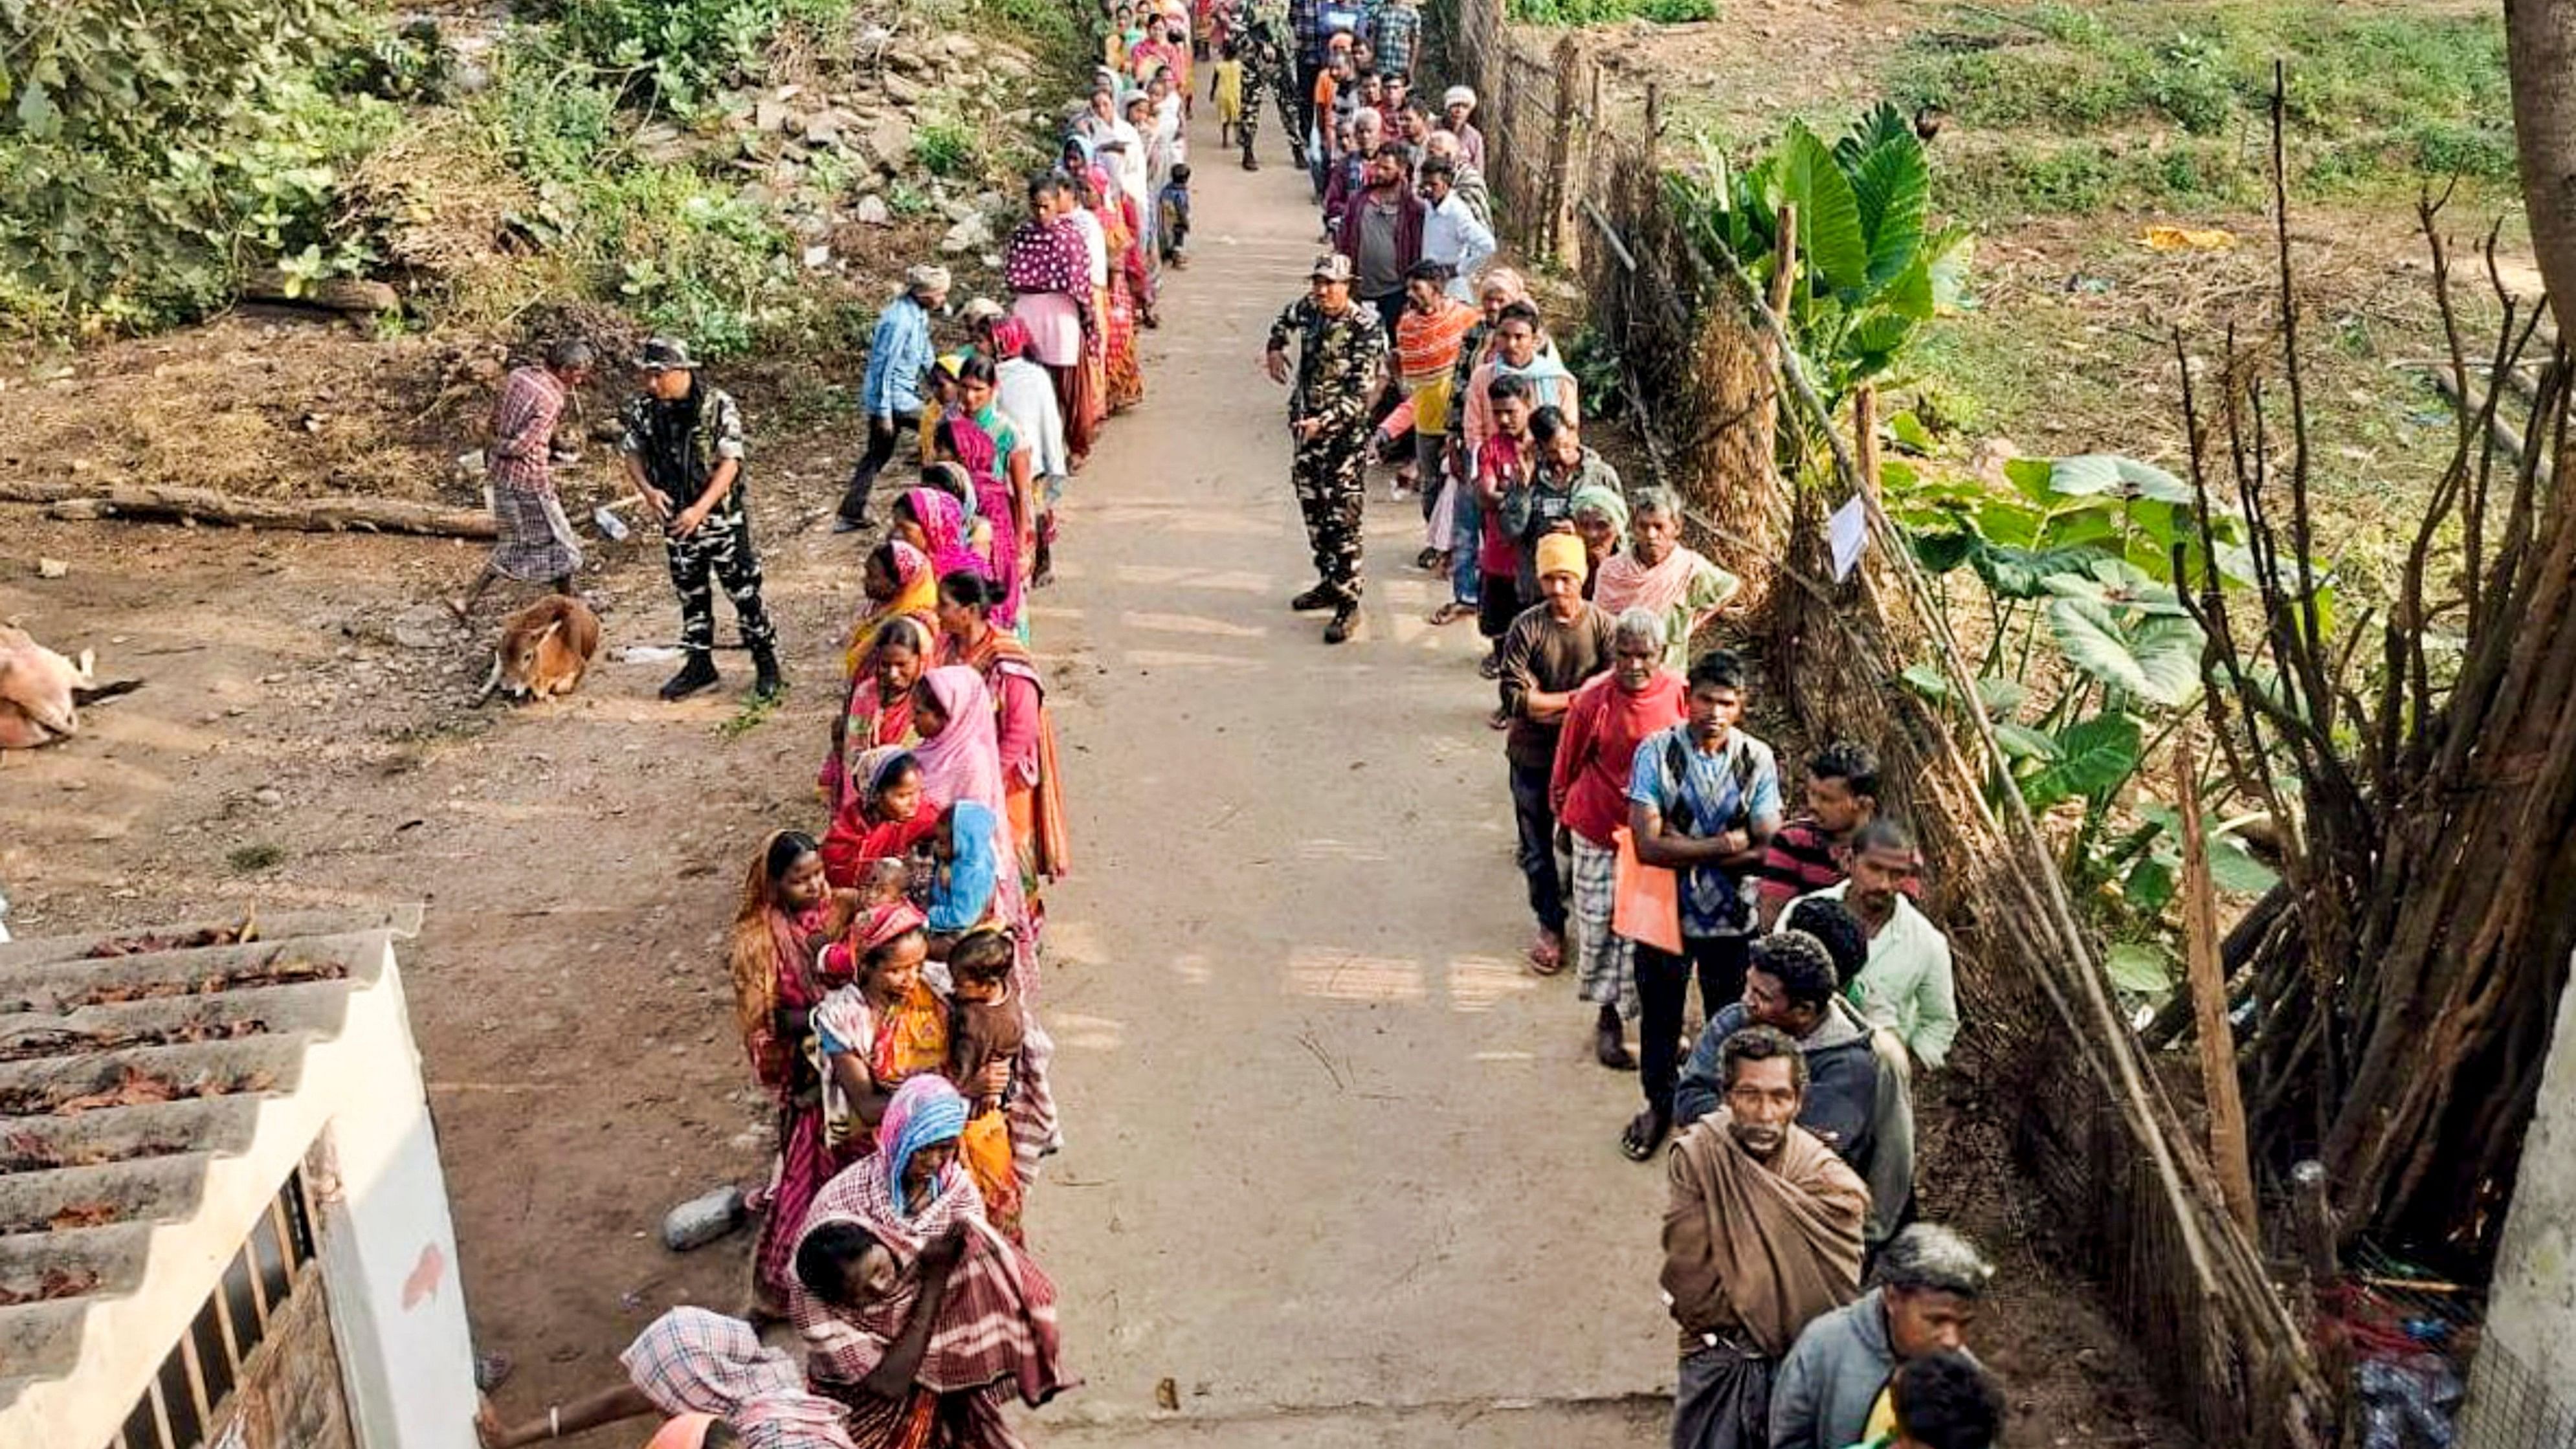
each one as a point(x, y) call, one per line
point(899, 355)
point(1457, 104)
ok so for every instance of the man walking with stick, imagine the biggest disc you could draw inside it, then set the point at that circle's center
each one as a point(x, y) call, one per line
point(684, 454)
point(1340, 368)
point(536, 543)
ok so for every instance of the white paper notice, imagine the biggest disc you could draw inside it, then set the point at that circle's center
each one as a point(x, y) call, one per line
point(1849, 532)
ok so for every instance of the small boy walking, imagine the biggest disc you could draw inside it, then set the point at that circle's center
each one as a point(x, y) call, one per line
point(1175, 206)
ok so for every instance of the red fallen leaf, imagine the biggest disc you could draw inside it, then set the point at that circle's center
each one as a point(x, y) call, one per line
point(133, 1089)
point(52, 1283)
point(84, 1215)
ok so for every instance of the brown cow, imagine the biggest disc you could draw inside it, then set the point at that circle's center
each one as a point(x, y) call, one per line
point(544, 649)
point(39, 692)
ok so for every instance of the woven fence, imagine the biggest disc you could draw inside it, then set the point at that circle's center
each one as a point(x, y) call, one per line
point(1582, 182)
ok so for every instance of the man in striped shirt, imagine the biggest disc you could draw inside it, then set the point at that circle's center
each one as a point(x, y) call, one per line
point(1813, 851)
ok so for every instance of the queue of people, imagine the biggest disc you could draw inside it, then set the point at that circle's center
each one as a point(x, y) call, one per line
point(1653, 830)
point(887, 962)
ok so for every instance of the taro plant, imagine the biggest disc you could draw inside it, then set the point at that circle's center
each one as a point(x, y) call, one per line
point(2090, 661)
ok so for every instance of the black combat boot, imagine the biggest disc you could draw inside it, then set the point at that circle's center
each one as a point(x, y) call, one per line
point(699, 673)
point(766, 681)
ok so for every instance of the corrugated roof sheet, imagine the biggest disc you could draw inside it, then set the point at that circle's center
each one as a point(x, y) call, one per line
point(129, 1061)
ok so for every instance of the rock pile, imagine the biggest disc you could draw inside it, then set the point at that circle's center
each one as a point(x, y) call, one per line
point(838, 159)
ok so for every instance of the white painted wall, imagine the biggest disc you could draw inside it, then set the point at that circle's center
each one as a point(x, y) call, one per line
point(357, 1120)
point(2530, 1340)
point(388, 1243)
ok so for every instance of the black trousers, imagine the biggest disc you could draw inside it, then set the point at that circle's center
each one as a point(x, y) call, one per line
point(882, 438)
point(1535, 814)
point(1663, 992)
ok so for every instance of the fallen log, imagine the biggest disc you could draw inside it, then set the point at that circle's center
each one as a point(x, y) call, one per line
point(306, 515)
point(338, 294)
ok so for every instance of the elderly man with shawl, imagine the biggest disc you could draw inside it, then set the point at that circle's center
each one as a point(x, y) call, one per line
point(1761, 1237)
point(968, 1319)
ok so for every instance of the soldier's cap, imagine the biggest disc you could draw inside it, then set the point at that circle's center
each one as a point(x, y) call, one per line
point(1331, 267)
point(666, 354)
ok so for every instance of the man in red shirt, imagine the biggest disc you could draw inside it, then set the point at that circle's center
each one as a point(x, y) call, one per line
point(1609, 718)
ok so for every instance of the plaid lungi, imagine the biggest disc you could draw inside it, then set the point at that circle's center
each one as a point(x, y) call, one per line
point(537, 545)
point(1605, 964)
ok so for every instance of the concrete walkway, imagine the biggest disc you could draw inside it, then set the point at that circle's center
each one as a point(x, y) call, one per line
point(1341, 1170)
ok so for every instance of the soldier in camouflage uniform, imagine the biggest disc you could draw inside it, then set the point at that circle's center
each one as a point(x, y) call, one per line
point(1341, 365)
point(1266, 76)
point(684, 453)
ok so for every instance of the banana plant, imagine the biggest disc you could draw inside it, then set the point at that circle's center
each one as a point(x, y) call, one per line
point(1871, 269)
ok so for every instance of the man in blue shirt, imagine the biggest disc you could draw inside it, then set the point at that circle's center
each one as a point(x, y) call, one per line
point(899, 356)
point(1703, 800)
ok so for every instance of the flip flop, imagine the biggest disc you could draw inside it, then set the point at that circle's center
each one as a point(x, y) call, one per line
point(1645, 1132)
point(1546, 957)
point(1449, 613)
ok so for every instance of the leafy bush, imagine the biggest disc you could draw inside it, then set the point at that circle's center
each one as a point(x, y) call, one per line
point(150, 154)
point(677, 52)
point(945, 146)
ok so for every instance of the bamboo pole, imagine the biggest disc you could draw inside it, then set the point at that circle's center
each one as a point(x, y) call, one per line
point(1865, 433)
point(2208, 985)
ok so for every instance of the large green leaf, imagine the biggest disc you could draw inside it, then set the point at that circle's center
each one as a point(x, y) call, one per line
point(1941, 552)
point(2233, 870)
point(2023, 573)
point(2157, 658)
point(2000, 696)
point(1946, 256)
point(2139, 968)
point(1926, 679)
point(1829, 234)
point(1893, 184)
point(2149, 887)
point(2110, 473)
point(2117, 582)
point(2093, 756)
point(2030, 477)
point(1884, 123)
point(2021, 742)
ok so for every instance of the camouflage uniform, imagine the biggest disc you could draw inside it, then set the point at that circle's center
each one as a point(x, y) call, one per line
point(1340, 361)
point(680, 444)
point(1266, 77)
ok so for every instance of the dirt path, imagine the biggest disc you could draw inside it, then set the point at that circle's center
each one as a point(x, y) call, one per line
point(1339, 1168)
point(1332, 1145)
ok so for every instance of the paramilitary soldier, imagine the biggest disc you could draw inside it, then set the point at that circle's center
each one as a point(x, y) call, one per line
point(1341, 365)
point(684, 454)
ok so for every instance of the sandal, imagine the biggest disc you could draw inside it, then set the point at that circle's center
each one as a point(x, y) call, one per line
point(1547, 955)
point(1491, 666)
point(1645, 1132)
point(1450, 613)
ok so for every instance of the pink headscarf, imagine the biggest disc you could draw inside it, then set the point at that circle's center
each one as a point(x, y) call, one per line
point(943, 527)
point(963, 761)
point(1010, 338)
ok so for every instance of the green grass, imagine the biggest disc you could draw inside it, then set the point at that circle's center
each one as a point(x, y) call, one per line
point(2377, 101)
point(1604, 12)
point(252, 859)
